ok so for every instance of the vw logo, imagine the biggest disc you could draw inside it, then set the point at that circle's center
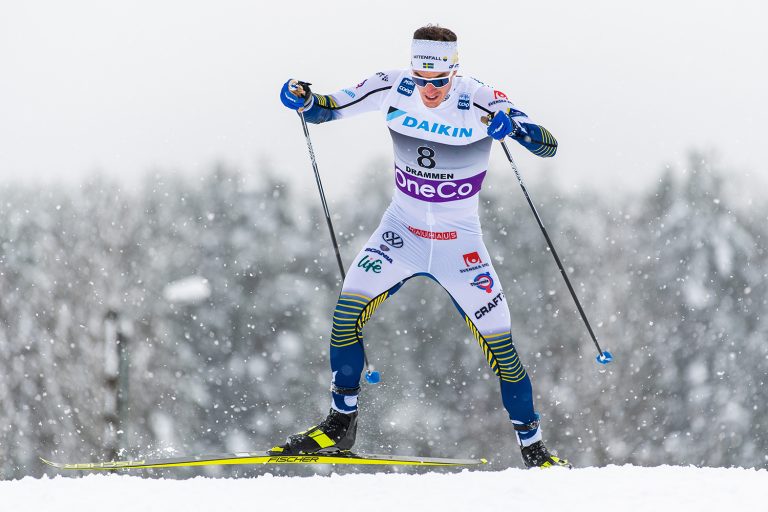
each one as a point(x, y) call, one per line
point(393, 239)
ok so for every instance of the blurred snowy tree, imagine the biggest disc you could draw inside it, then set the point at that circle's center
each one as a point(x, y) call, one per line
point(673, 281)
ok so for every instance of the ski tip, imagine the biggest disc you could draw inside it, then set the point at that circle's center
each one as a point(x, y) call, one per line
point(48, 462)
point(605, 358)
point(483, 461)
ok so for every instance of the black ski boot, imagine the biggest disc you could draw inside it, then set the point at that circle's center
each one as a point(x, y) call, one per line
point(334, 434)
point(537, 456)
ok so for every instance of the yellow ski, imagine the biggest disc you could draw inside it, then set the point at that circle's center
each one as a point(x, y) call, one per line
point(256, 458)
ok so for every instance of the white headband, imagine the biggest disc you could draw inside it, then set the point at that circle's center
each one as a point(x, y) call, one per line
point(429, 55)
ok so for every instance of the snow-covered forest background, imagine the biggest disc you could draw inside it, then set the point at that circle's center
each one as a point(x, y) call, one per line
point(673, 279)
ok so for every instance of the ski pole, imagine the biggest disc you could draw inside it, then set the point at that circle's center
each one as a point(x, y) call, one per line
point(603, 357)
point(371, 377)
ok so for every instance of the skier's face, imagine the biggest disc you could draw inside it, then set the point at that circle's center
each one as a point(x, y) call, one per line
point(433, 96)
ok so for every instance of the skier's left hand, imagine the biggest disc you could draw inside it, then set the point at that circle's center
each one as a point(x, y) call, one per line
point(503, 125)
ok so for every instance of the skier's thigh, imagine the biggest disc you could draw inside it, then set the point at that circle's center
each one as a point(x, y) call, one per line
point(464, 269)
point(381, 264)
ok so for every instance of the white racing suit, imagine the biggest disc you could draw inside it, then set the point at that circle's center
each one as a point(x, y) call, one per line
point(431, 228)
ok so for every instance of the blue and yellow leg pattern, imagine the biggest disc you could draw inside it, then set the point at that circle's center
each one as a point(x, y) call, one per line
point(516, 390)
point(352, 312)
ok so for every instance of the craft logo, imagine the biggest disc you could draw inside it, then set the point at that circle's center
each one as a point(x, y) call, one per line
point(434, 235)
point(406, 87)
point(392, 239)
point(498, 299)
point(368, 264)
point(472, 259)
point(463, 101)
point(380, 253)
point(384, 77)
point(483, 281)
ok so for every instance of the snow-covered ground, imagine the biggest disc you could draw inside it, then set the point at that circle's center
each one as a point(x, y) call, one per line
point(614, 488)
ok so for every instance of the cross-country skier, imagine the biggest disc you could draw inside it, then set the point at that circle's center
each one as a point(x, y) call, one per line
point(442, 143)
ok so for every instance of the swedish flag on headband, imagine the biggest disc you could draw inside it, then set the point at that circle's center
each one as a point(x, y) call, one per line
point(428, 65)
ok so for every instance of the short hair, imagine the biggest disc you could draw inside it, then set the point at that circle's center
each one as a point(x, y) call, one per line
point(434, 33)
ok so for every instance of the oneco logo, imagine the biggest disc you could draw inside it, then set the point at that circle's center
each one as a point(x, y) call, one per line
point(435, 191)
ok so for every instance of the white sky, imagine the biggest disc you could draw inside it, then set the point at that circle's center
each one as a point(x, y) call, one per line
point(126, 87)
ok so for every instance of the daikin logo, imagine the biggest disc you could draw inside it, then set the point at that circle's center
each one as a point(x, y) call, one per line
point(438, 128)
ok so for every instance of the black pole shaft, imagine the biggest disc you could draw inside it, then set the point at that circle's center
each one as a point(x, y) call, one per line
point(551, 247)
point(328, 216)
point(322, 197)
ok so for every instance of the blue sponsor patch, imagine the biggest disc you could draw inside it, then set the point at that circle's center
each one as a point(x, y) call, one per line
point(406, 87)
point(463, 101)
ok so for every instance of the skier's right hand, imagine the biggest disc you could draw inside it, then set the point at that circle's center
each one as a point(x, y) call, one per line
point(502, 125)
point(295, 94)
